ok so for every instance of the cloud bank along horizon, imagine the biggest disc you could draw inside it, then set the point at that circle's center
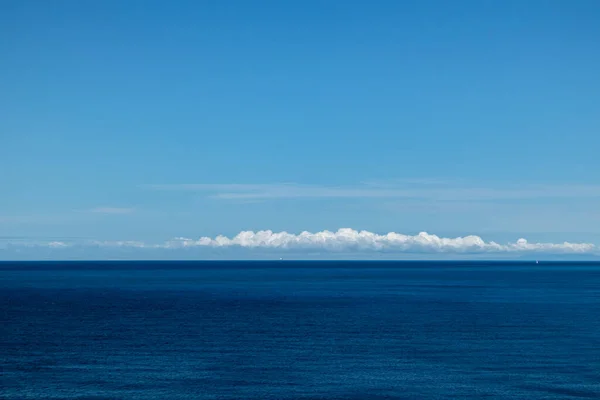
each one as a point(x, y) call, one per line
point(343, 240)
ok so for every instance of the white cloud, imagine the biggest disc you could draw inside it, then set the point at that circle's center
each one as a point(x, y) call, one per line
point(346, 241)
point(57, 244)
point(112, 210)
point(121, 243)
point(351, 240)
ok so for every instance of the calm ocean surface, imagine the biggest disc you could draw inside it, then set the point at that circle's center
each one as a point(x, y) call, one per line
point(299, 330)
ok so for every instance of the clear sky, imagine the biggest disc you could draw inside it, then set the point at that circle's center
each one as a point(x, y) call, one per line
point(148, 120)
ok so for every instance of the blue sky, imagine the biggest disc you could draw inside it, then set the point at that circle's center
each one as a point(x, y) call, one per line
point(149, 120)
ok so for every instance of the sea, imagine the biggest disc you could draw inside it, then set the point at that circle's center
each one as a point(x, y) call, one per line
point(299, 330)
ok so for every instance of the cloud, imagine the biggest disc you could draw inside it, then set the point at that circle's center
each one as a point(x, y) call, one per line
point(351, 240)
point(122, 243)
point(413, 189)
point(342, 241)
point(57, 244)
point(112, 210)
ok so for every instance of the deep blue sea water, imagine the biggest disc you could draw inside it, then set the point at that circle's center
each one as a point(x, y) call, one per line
point(299, 330)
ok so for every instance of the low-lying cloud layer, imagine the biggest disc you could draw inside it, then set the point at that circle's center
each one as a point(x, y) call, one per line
point(351, 240)
point(344, 240)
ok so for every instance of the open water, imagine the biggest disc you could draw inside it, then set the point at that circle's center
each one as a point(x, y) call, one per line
point(299, 330)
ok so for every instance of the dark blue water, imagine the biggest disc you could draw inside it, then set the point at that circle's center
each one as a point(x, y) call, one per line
point(289, 330)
